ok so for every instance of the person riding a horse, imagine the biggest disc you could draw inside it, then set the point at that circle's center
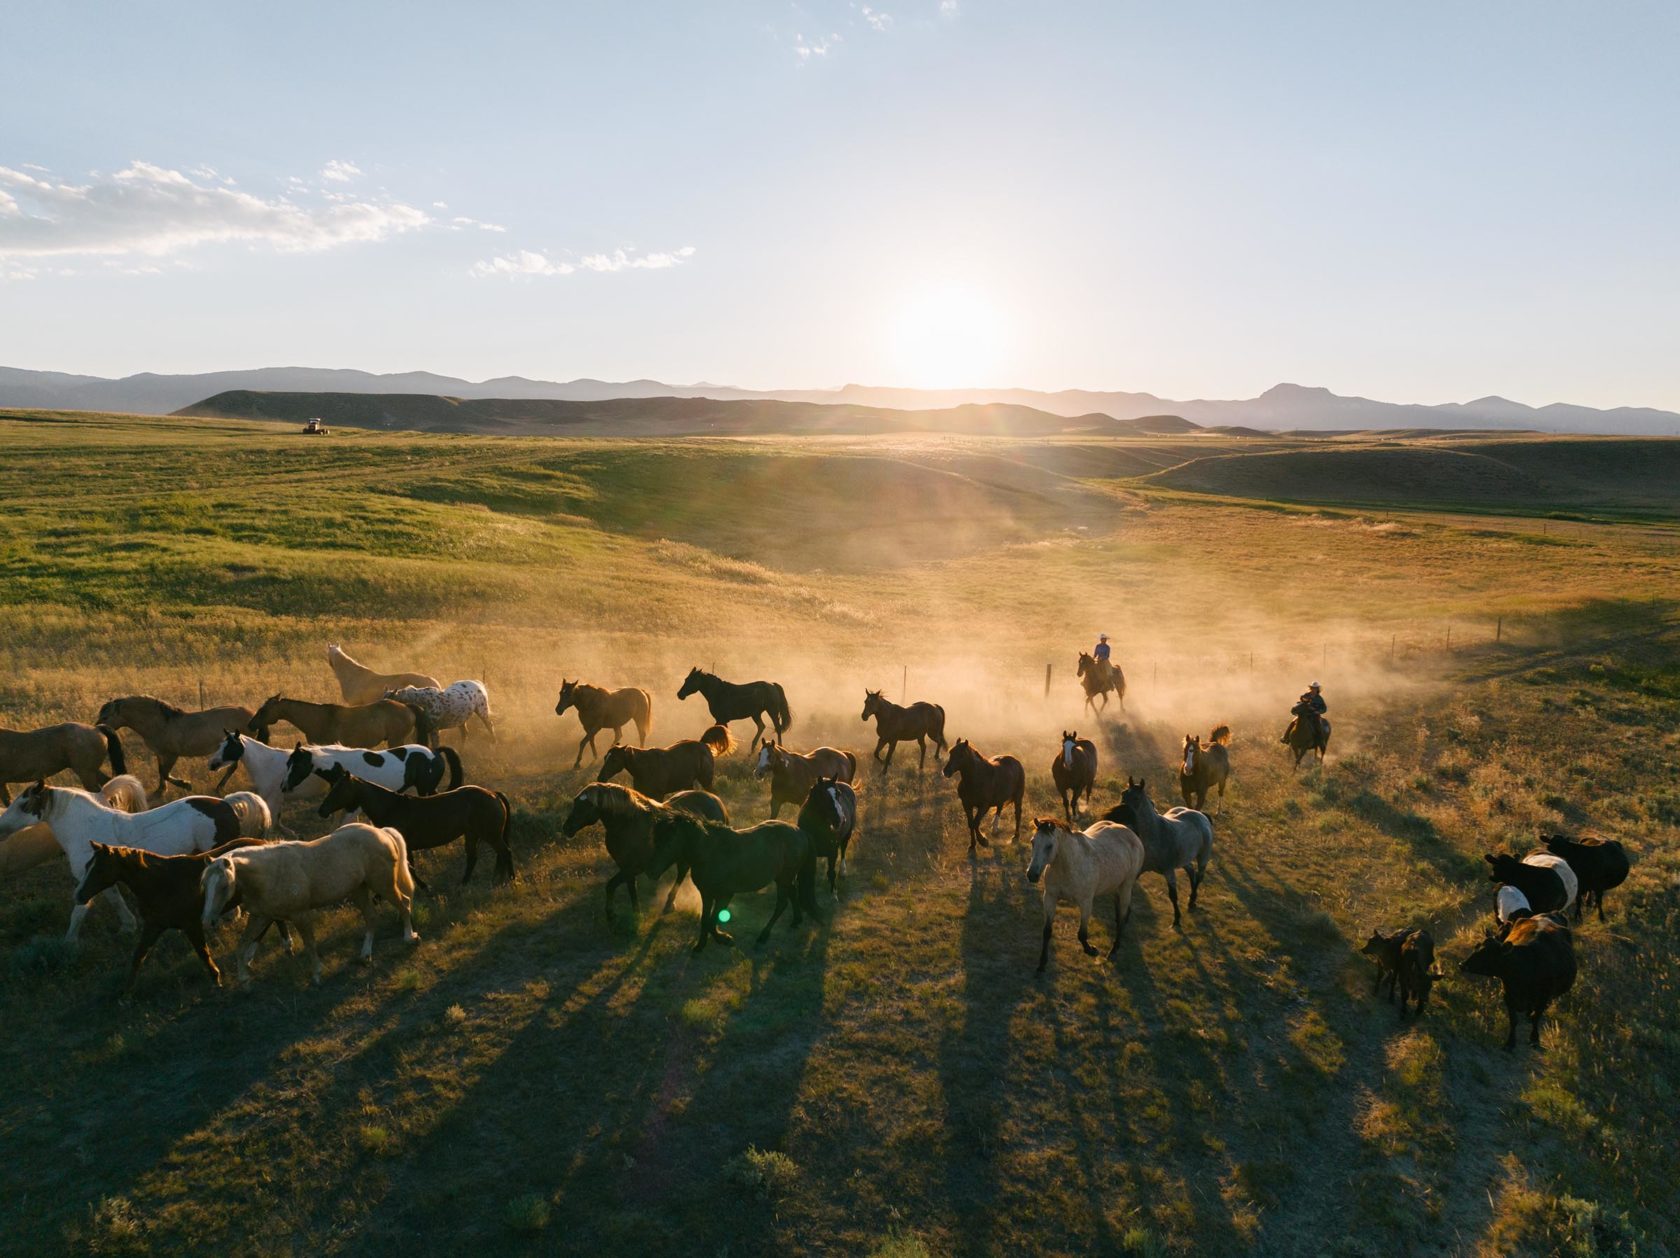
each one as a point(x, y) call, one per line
point(1100, 652)
point(1309, 706)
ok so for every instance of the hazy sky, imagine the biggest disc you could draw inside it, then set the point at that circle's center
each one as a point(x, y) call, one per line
point(1421, 202)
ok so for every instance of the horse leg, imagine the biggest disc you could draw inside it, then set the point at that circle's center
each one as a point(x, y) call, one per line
point(364, 905)
point(1198, 875)
point(149, 936)
point(588, 740)
point(5, 795)
point(705, 922)
point(1172, 894)
point(308, 936)
point(671, 900)
point(248, 946)
point(782, 898)
point(1119, 925)
point(195, 935)
point(1017, 837)
point(635, 896)
point(758, 720)
point(1085, 929)
point(612, 884)
point(921, 744)
point(891, 747)
point(472, 856)
point(723, 937)
point(831, 889)
point(1044, 948)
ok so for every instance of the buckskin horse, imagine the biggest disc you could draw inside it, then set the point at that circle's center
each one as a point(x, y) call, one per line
point(732, 701)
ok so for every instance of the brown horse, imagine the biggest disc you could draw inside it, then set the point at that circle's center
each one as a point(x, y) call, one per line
point(34, 754)
point(627, 816)
point(360, 684)
point(1099, 678)
point(985, 783)
point(1205, 767)
point(793, 775)
point(172, 733)
point(895, 724)
point(659, 771)
point(1304, 736)
point(599, 708)
point(1074, 771)
point(470, 812)
point(364, 725)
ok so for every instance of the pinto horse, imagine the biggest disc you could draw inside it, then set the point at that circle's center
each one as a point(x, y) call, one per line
point(732, 701)
point(985, 783)
point(29, 755)
point(1074, 770)
point(1205, 767)
point(895, 724)
point(599, 708)
point(1099, 678)
point(172, 733)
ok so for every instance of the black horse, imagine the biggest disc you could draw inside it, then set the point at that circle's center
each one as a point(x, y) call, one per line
point(828, 818)
point(732, 701)
point(895, 724)
point(725, 863)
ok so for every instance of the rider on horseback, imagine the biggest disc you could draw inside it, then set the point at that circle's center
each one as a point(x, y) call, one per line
point(1100, 651)
point(1310, 706)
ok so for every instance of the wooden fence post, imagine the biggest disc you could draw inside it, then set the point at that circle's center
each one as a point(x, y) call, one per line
point(1047, 681)
point(904, 683)
point(201, 702)
point(1499, 629)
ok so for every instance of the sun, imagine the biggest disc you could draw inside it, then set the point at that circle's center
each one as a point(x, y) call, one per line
point(951, 336)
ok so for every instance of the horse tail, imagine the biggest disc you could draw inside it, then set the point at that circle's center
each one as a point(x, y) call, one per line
point(1221, 735)
point(719, 740)
point(453, 760)
point(851, 759)
point(113, 748)
point(644, 722)
point(423, 730)
point(779, 708)
point(937, 728)
point(507, 817)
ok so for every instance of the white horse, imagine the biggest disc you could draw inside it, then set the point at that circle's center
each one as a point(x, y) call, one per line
point(34, 845)
point(1078, 866)
point(265, 766)
point(79, 819)
point(451, 707)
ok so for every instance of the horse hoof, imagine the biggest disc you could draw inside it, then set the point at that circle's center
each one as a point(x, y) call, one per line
point(728, 941)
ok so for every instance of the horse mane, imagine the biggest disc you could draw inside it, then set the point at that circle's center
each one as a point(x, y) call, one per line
point(168, 710)
point(338, 655)
point(615, 800)
point(1221, 735)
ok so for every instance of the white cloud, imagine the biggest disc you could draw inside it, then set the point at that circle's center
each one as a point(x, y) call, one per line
point(950, 8)
point(527, 262)
point(340, 172)
point(148, 210)
point(805, 50)
point(461, 221)
point(876, 18)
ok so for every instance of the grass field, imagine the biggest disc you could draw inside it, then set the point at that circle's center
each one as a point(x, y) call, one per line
point(535, 1077)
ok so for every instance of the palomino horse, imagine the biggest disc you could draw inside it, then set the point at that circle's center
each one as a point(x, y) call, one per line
point(792, 775)
point(740, 701)
point(895, 724)
point(1180, 838)
point(1078, 866)
point(449, 708)
point(33, 754)
point(79, 819)
point(725, 863)
point(363, 725)
point(985, 783)
point(172, 733)
point(1205, 767)
point(627, 816)
point(599, 708)
point(1302, 737)
point(360, 684)
point(1074, 770)
point(1100, 677)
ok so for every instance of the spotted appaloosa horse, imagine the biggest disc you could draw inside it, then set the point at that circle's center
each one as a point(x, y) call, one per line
point(449, 708)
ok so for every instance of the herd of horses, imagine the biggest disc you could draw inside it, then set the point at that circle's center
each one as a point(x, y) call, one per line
point(192, 861)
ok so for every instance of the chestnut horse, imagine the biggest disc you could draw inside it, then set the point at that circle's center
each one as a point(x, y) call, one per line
point(895, 724)
point(363, 725)
point(599, 708)
point(1205, 767)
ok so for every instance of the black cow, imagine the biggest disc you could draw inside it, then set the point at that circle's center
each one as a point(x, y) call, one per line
point(1534, 957)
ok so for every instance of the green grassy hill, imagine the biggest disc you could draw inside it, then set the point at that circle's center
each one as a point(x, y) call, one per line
point(536, 1076)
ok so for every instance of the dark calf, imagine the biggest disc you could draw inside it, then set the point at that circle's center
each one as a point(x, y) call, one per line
point(1407, 958)
point(1535, 959)
point(1600, 865)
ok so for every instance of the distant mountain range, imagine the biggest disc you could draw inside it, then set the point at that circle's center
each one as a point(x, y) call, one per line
point(1284, 406)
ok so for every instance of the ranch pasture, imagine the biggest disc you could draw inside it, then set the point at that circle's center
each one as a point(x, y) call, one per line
point(534, 1075)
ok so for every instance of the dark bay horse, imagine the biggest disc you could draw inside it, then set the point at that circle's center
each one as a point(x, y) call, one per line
point(1074, 770)
point(1305, 736)
point(599, 708)
point(732, 701)
point(725, 863)
point(895, 724)
point(627, 816)
point(828, 817)
point(1205, 767)
point(426, 821)
point(983, 784)
point(31, 755)
point(658, 771)
point(1099, 678)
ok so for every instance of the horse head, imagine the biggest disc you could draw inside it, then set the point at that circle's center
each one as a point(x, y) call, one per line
point(872, 704)
point(299, 764)
point(1136, 796)
point(103, 869)
point(341, 790)
point(219, 885)
point(585, 811)
point(264, 715)
point(764, 762)
point(691, 683)
point(961, 757)
point(616, 760)
point(1047, 832)
point(1192, 744)
point(1069, 740)
point(1086, 662)
point(108, 712)
point(28, 808)
point(230, 750)
point(568, 696)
